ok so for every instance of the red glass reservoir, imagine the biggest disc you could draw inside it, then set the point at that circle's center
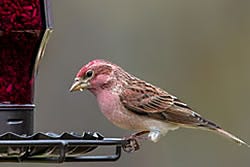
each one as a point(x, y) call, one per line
point(24, 30)
point(21, 31)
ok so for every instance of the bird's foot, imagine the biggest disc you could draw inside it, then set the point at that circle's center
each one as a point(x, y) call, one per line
point(132, 144)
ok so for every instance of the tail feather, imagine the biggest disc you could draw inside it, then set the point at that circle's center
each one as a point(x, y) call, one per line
point(231, 137)
point(209, 125)
point(197, 121)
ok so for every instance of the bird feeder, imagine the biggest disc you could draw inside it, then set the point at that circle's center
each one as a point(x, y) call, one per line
point(25, 27)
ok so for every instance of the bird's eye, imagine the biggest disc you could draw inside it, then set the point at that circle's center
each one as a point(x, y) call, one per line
point(89, 73)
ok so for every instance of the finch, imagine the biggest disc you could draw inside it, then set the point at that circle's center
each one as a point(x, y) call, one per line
point(131, 103)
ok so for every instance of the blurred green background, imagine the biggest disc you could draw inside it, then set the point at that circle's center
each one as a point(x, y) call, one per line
point(198, 50)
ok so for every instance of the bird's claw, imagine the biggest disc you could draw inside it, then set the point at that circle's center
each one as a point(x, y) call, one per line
point(131, 145)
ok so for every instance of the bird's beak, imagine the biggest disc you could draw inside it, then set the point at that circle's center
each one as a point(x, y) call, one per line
point(79, 84)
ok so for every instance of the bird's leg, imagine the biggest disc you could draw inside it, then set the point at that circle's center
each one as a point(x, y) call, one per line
point(153, 135)
point(139, 135)
point(132, 144)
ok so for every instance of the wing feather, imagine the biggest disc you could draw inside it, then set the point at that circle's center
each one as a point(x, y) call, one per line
point(145, 99)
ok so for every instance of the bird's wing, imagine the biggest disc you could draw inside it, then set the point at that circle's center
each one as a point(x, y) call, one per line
point(154, 102)
point(145, 99)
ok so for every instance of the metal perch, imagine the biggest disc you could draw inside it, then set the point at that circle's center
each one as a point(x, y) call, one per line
point(54, 148)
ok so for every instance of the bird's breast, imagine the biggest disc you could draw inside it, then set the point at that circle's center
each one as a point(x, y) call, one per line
point(111, 106)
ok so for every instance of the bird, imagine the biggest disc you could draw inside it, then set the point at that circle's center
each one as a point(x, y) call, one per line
point(134, 104)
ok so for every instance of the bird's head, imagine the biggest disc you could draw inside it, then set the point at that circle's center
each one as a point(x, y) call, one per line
point(95, 75)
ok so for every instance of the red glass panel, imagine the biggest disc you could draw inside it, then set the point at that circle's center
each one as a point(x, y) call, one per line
point(20, 37)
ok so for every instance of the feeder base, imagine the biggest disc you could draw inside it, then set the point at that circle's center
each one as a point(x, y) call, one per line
point(17, 119)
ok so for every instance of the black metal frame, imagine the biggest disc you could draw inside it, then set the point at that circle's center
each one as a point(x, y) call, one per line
point(63, 145)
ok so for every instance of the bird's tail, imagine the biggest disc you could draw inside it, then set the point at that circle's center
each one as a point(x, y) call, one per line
point(208, 125)
point(230, 136)
point(197, 121)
